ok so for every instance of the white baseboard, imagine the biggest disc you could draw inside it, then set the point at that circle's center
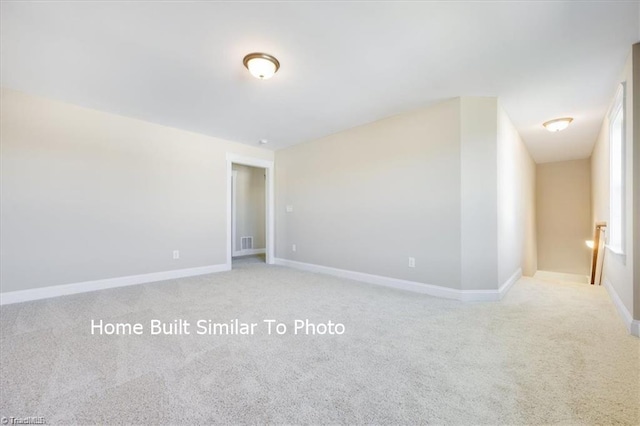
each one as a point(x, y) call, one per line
point(633, 326)
point(430, 289)
point(249, 252)
point(506, 286)
point(561, 276)
point(82, 287)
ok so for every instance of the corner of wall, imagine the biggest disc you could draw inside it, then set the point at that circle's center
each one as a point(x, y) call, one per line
point(478, 193)
point(517, 233)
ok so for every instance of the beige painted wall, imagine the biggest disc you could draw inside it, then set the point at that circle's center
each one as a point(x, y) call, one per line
point(563, 192)
point(619, 269)
point(478, 193)
point(422, 184)
point(250, 205)
point(517, 244)
point(88, 195)
point(367, 198)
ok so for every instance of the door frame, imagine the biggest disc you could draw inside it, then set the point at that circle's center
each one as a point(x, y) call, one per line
point(269, 204)
point(234, 213)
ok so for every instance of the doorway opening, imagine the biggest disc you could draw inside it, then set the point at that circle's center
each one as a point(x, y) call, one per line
point(250, 216)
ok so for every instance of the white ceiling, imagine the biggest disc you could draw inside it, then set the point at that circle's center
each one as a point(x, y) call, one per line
point(343, 64)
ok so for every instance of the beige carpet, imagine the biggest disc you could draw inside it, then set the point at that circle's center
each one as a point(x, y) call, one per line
point(549, 353)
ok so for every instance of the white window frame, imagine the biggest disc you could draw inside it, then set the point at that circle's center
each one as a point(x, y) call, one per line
point(618, 245)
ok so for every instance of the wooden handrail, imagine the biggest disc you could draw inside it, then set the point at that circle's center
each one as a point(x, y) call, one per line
point(600, 227)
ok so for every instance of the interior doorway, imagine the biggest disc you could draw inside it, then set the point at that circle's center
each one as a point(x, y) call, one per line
point(248, 214)
point(250, 210)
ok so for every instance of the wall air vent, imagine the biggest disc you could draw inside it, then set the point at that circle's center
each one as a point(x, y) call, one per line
point(246, 243)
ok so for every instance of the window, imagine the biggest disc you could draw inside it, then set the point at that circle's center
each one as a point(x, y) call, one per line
point(616, 172)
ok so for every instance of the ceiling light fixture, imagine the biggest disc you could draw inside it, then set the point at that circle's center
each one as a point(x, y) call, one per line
point(263, 141)
point(558, 124)
point(261, 65)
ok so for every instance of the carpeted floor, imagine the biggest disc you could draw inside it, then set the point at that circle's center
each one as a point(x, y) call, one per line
point(552, 353)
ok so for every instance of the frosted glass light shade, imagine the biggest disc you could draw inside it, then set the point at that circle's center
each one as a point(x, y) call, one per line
point(261, 65)
point(558, 124)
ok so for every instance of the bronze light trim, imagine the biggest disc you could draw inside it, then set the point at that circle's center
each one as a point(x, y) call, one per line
point(567, 120)
point(261, 55)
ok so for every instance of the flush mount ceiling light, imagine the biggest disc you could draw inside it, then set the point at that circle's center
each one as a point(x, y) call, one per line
point(263, 141)
point(261, 65)
point(557, 124)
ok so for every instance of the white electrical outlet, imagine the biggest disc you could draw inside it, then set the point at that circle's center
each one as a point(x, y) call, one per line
point(176, 254)
point(412, 262)
point(293, 247)
point(289, 208)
